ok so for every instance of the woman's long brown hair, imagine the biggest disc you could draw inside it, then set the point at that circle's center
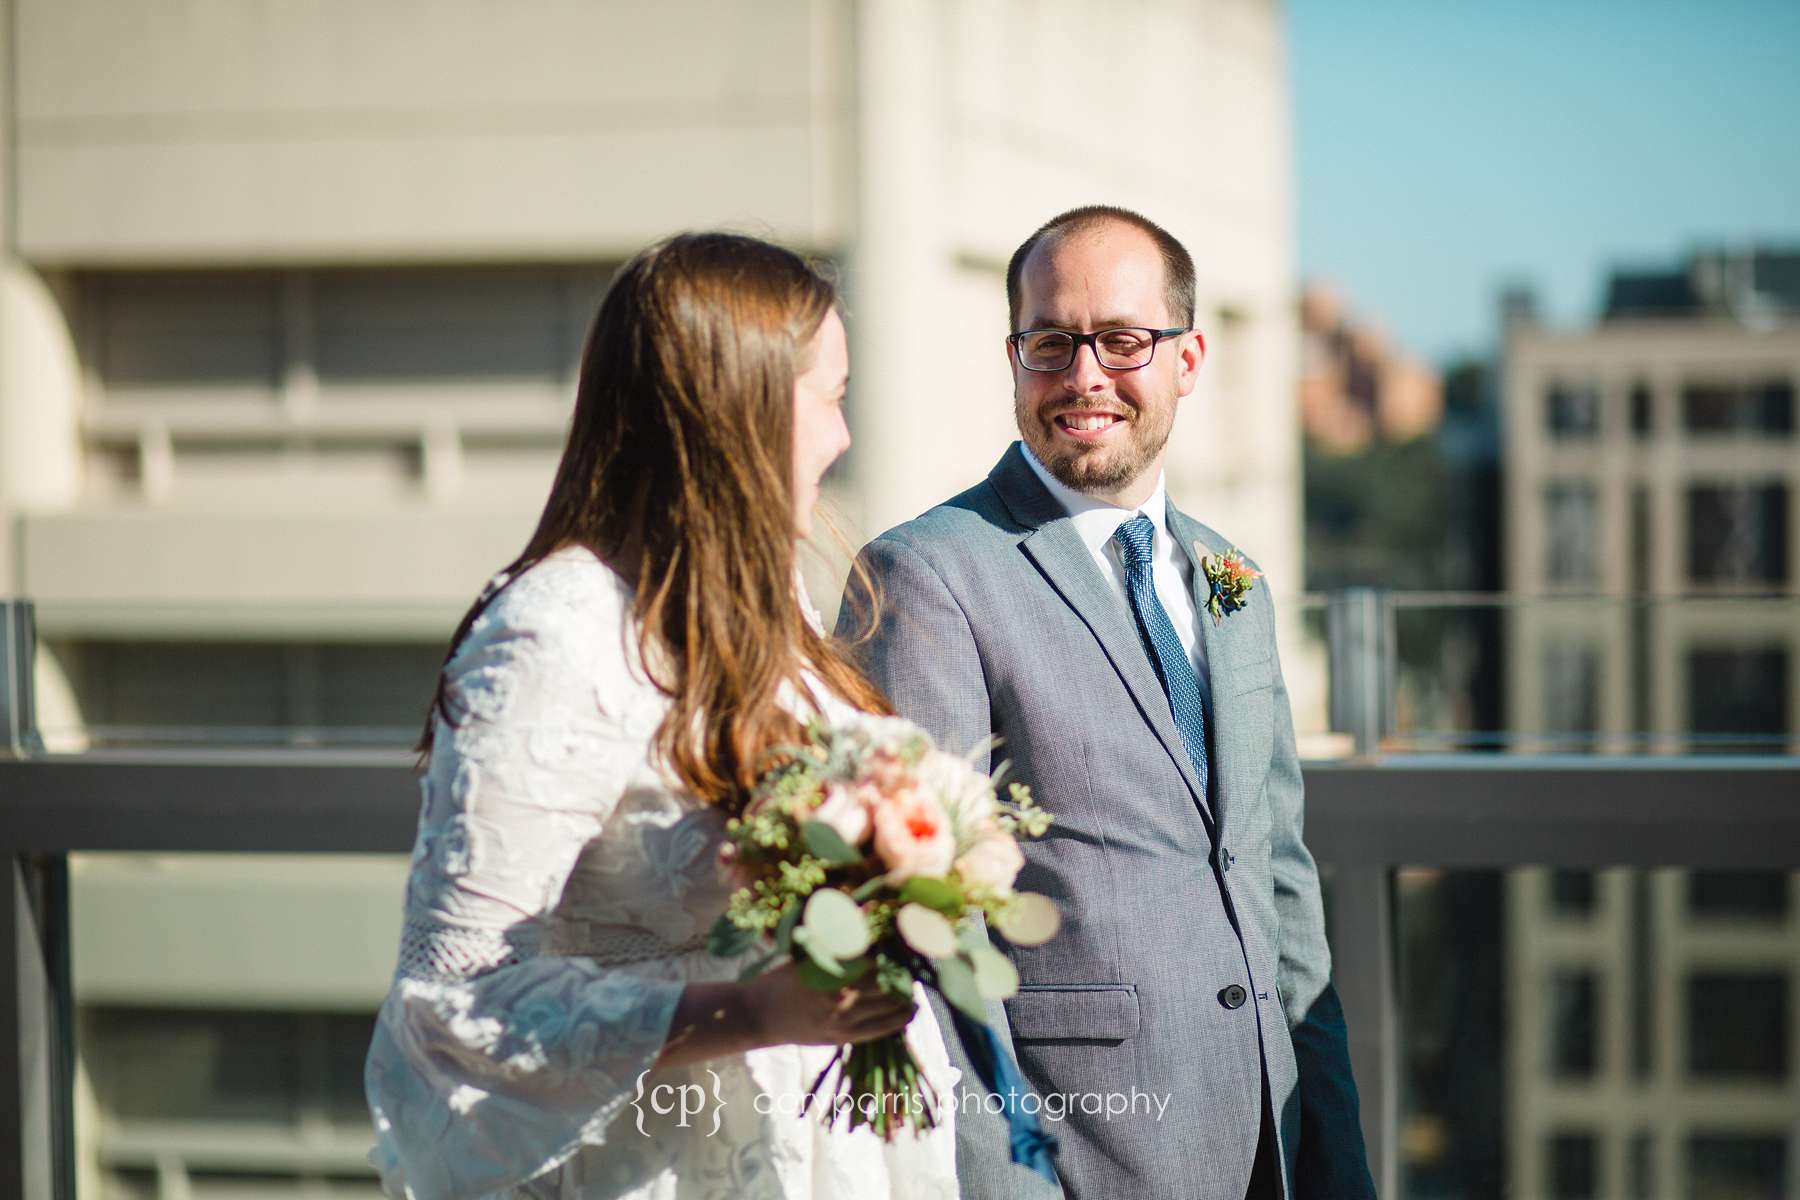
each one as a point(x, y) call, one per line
point(679, 474)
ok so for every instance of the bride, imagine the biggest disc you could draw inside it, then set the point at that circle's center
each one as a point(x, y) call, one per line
point(556, 1026)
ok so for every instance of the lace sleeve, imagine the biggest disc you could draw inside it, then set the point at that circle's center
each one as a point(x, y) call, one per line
point(492, 1063)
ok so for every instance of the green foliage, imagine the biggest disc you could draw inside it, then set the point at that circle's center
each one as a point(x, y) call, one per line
point(995, 976)
point(1020, 814)
point(926, 930)
point(956, 980)
point(820, 979)
point(1377, 518)
point(728, 939)
point(835, 925)
point(826, 844)
point(939, 894)
point(895, 978)
point(1028, 919)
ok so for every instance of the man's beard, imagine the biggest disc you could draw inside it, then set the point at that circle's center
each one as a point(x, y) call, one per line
point(1098, 470)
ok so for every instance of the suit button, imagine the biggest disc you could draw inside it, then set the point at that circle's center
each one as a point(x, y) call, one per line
point(1233, 996)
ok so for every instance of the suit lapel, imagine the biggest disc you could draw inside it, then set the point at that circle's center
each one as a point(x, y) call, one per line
point(1226, 644)
point(1059, 553)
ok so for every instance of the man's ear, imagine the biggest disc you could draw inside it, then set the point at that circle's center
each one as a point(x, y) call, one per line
point(1190, 353)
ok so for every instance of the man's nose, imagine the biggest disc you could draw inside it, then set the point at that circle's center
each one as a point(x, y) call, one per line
point(1084, 373)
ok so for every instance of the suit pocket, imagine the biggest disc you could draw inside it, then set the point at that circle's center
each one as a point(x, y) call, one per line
point(1105, 1012)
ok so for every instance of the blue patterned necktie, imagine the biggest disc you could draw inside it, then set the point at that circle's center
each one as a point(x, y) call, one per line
point(1173, 666)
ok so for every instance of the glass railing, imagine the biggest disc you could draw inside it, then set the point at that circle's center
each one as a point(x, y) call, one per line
point(1446, 673)
point(1367, 672)
point(1566, 973)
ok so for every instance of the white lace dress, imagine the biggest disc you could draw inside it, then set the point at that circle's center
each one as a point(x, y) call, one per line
point(560, 895)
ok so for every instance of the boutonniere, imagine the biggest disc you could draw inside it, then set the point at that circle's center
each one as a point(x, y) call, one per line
point(1229, 580)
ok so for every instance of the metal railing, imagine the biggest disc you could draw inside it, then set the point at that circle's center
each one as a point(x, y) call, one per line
point(1366, 816)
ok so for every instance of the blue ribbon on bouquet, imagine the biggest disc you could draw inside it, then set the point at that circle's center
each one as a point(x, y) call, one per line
point(1000, 1075)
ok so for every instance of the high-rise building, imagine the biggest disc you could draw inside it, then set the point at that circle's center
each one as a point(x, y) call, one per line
point(291, 298)
point(1652, 478)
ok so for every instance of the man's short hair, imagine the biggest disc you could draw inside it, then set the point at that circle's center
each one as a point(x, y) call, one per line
point(1178, 264)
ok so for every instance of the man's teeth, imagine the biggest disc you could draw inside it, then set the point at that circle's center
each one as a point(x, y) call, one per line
point(1088, 424)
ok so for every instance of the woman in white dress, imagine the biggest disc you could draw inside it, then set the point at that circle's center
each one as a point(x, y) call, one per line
point(556, 1025)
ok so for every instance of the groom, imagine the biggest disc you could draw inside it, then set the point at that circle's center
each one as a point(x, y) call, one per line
point(1061, 606)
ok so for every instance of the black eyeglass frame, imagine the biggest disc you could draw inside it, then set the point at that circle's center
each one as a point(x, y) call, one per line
point(1092, 342)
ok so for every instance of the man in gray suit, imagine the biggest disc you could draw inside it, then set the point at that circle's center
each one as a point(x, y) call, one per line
point(1061, 606)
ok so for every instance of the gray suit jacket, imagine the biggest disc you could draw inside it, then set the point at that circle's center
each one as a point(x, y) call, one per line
point(995, 619)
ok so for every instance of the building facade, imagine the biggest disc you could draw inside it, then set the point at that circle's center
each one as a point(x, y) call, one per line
point(1652, 511)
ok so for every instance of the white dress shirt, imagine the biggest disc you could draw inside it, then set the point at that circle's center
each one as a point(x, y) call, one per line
point(1171, 568)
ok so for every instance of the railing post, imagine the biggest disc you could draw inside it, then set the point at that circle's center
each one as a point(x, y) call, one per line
point(1363, 967)
point(1356, 636)
point(18, 697)
point(37, 1059)
point(1362, 898)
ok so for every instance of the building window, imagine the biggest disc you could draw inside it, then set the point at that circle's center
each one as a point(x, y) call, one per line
point(1738, 699)
point(1572, 893)
point(1640, 1164)
point(497, 334)
point(1574, 1025)
point(1765, 407)
point(1738, 534)
point(1727, 1165)
point(1571, 693)
point(1571, 1162)
point(415, 336)
point(1572, 411)
point(186, 336)
point(1572, 526)
point(1737, 1026)
point(1643, 411)
point(366, 690)
point(1738, 895)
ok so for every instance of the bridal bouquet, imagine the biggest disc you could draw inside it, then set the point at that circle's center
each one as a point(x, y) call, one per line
point(868, 852)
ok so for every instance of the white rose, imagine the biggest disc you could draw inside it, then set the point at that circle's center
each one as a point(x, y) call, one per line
point(993, 862)
point(847, 812)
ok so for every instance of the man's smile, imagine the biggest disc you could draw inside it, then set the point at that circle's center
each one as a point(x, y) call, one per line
point(1086, 425)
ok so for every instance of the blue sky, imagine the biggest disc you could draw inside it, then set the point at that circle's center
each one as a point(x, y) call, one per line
point(1447, 146)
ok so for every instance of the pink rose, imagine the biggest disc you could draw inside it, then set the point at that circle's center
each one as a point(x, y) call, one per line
point(885, 770)
point(913, 835)
point(993, 862)
point(846, 810)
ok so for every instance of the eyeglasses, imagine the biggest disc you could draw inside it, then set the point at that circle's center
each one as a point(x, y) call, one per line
point(1115, 349)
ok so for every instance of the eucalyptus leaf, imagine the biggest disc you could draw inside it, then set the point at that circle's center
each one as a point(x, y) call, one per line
point(895, 978)
point(940, 894)
point(971, 934)
point(826, 843)
point(926, 930)
point(727, 939)
point(956, 980)
point(995, 976)
point(1029, 919)
point(784, 928)
point(835, 925)
point(819, 979)
point(817, 955)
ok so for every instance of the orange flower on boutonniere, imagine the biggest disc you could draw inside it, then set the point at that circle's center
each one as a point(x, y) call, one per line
point(1229, 580)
